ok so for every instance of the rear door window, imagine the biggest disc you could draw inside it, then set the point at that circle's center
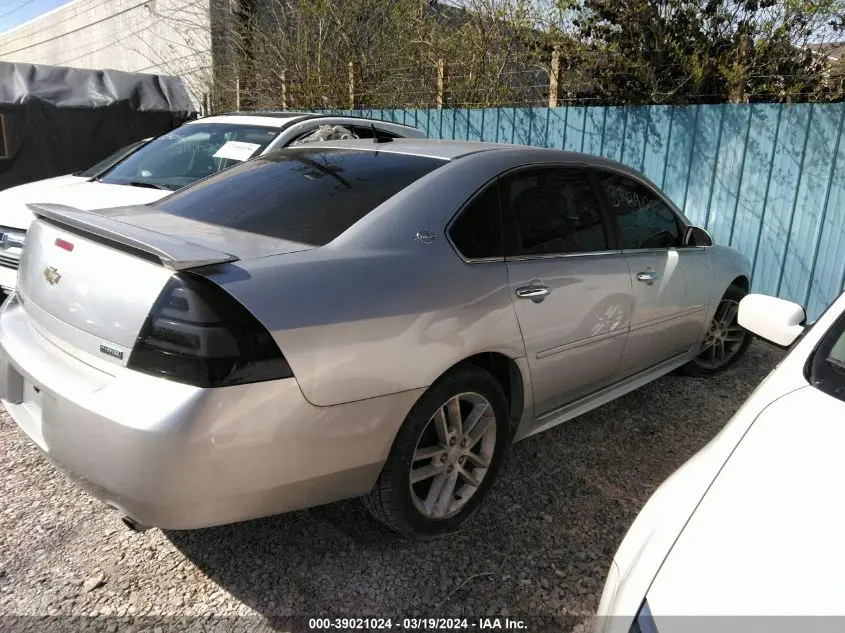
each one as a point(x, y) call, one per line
point(305, 194)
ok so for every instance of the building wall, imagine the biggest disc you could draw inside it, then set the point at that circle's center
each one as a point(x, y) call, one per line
point(149, 36)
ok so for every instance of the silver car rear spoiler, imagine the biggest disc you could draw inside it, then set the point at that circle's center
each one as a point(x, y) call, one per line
point(171, 252)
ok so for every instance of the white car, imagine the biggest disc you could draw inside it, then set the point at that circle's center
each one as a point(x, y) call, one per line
point(753, 524)
point(148, 170)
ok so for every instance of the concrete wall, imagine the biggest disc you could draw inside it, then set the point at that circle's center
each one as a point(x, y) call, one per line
point(150, 36)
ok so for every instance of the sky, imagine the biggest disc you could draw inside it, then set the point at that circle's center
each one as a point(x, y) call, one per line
point(14, 12)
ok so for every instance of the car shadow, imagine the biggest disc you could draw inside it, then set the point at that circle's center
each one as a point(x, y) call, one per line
point(539, 546)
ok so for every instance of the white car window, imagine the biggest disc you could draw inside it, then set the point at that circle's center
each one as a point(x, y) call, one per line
point(827, 366)
point(103, 165)
point(189, 153)
point(837, 352)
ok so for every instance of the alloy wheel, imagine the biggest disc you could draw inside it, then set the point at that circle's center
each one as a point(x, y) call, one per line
point(453, 455)
point(724, 336)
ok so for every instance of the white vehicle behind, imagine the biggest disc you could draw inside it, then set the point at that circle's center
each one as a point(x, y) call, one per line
point(752, 525)
point(149, 170)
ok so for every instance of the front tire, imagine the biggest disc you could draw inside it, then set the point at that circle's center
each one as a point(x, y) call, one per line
point(725, 341)
point(445, 457)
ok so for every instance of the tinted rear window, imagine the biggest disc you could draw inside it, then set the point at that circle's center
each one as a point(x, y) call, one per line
point(309, 195)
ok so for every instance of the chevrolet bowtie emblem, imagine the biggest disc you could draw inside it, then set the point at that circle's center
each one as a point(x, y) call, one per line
point(52, 275)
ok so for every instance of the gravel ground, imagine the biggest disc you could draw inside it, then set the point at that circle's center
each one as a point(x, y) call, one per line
point(540, 546)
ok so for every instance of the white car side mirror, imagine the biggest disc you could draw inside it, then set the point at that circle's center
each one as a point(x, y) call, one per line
point(773, 319)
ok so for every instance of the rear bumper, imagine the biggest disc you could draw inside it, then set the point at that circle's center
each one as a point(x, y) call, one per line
point(179, 457)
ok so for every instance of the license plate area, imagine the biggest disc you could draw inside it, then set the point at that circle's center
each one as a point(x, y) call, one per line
point(23, 402)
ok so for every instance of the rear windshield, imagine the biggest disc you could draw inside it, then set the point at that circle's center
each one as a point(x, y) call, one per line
point(309, 195)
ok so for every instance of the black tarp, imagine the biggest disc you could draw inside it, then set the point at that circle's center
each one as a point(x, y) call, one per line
point(56, 120)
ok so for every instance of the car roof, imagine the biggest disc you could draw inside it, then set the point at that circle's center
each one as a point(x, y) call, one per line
point(282, 119)
point(276, 114)
point(431, 148)
point(451, 150)
point(253, 118)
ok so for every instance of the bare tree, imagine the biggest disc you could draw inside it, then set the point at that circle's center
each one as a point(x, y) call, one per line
point(327, 54)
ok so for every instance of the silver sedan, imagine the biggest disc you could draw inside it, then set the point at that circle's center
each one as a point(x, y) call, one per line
point(356, 318)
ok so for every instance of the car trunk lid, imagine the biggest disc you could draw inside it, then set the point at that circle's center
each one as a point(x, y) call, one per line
point(89, 280)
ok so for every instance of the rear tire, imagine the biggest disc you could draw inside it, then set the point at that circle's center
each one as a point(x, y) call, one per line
point(725, 341)
point(454, 464)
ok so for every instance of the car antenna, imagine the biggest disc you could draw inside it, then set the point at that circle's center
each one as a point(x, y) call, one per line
point(376, 138)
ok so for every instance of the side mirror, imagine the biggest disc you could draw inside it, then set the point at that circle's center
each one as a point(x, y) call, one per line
point(773, 319)
point(695, 236)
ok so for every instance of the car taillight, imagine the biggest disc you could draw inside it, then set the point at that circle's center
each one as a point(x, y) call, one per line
point(197, 333)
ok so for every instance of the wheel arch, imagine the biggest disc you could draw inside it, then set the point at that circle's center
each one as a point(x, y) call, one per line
point(724, 282)
point(741, 282)
point(507, 373)
point(389, 500)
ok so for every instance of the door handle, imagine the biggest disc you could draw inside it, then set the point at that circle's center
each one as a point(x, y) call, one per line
point(535, 293)
point(647, 276)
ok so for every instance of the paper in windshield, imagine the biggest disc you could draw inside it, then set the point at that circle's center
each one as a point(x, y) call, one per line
point(237, 150)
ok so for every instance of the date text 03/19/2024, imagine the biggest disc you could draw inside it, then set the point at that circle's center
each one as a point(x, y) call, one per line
point(415, 624)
